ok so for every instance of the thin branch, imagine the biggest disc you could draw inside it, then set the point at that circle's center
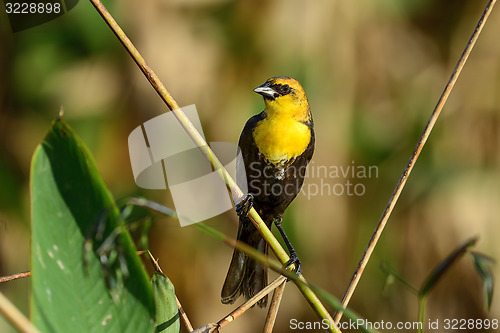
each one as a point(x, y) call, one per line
point(184, 316)
point(15, 317)
point(272, 313)
point(421, 142)
point(14, 276)
point(251, 302)
point(275, 246)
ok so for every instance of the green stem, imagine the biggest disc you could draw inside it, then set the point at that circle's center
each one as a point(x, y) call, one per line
point(422, 303)
point(275, 246)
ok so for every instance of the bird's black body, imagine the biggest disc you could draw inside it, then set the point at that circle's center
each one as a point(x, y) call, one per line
point(273, 186)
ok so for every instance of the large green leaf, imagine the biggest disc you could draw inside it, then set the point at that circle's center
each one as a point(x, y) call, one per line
point(74, 215)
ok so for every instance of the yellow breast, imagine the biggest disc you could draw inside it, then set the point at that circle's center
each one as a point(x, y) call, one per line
point(280, 139)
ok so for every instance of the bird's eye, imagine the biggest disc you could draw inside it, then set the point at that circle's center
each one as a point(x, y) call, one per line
point(282, 89)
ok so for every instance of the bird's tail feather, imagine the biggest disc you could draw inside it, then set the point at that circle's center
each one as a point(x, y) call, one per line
point(245, 275)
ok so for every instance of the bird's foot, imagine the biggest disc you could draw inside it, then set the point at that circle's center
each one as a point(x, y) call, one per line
point(294, 259)
point(244, 206)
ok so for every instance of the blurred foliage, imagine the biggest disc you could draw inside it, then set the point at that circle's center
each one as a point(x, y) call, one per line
point(482, 264)
point(373, 71)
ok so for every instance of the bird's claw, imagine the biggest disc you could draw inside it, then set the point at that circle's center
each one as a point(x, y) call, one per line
point(294, 259)
point(244, 206)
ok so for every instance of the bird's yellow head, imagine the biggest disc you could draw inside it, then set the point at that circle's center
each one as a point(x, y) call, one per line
point(285, 96)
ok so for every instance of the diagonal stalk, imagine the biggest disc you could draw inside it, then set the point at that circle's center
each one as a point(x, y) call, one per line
point(15, 317)
point(414, 156)
point(312, 299)
point(273, 308)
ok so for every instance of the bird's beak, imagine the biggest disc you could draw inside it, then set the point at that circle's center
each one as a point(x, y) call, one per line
point(266, 91)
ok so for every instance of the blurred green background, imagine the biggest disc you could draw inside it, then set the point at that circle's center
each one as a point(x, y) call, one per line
point(373, 71)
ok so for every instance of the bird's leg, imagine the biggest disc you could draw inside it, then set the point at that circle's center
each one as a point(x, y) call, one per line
point(294, 258)
point(244, 206)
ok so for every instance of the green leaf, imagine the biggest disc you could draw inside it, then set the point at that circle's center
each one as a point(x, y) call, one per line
point(74, 217)
point(167, 312)
point(392, 274)
point(444, 265)
point(483, 265)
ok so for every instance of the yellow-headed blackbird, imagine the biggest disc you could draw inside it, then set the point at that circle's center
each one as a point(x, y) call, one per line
point(276, 146)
